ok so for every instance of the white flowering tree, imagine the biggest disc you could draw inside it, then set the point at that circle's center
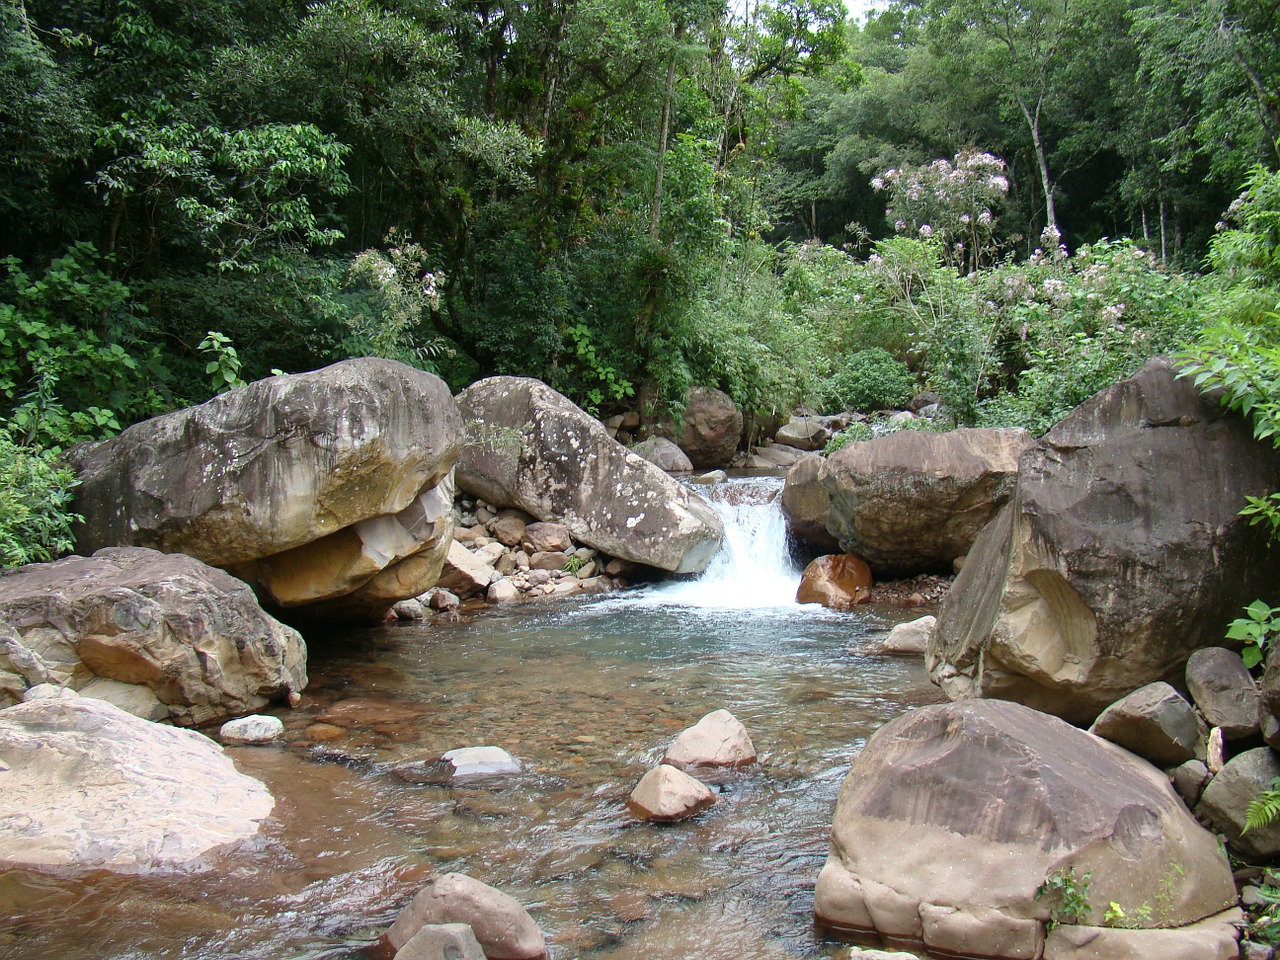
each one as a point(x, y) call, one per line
point(952, 202)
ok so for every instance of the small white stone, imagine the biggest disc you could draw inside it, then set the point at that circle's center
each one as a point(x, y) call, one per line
point(481, 762)
point(253, 729)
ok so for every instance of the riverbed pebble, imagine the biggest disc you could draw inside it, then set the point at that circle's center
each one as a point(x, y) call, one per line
point(252, 730)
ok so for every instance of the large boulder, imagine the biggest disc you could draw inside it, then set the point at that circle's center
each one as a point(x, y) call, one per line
point(711, 429)
point(807, 504)
point(192, 634)
point(312, 486)
point(86, 786)
point(912, 502)
point(1225, 802)
point(530, 447)
point(953, 816)
point(1121, 552)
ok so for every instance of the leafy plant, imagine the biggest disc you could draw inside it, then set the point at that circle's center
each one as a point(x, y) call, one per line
point(1069, 896)
point(574, 564)
point(35, 503)
point(223, 368)
point(1117, 916)
point(870, 380)
point(853, 433)
point(1263, 808)
point(1255, 631)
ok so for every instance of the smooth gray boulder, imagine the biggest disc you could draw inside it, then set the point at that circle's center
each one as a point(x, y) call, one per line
point(1225, 691)
point(530, 447)
point(1121, 553)
point(1227, 798)
point(803, 433)
point(953, 815)
point(911, 502)
point(1155, 722)
point(86, 786)
point(312, 486)
point(190, 633)
point(663, 453)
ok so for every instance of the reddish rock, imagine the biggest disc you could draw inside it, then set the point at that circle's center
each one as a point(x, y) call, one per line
point(501, 925)
point(666, 795)
point(837, 581)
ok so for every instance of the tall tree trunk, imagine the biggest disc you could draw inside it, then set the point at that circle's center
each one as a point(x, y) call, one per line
point(1033, 124)
point(664, 130)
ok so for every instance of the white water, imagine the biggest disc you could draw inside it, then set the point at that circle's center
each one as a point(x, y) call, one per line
point(754, 569)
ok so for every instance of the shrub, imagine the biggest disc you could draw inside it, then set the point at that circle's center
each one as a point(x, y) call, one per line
point(35, 504)
point(870, 380)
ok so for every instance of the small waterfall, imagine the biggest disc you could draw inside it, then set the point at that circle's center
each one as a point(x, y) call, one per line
point(754, 568)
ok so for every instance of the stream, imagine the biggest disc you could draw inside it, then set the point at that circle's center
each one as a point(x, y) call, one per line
point(587, 694)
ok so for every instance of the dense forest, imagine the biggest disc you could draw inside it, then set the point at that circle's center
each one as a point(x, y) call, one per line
point(1010, 202)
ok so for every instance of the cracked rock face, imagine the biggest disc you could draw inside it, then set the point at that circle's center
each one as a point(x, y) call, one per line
point(532, 448)
point(313, 487)
point(1121, 552)
point(953, 815)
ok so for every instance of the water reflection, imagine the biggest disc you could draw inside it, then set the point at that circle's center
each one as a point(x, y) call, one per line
point(587, 694)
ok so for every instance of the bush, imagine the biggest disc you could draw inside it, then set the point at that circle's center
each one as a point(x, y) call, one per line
point(870, 380)
point(35, 504)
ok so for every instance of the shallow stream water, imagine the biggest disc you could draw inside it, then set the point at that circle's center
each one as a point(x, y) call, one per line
point(587, 694)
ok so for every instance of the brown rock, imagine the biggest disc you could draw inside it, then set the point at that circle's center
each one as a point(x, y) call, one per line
point(1120, 555)
point(807, 504)
point(503, 927)
point(666, 795)
point(1155, 722)
point(663, 453)
point(366, 712)
point(1226, 800)
point(803, 433)
point(913, 501)
point(464, 573)
point(711, 431)
point(953, 815)
point(546, 538)
point(442, 941)
point(509, 527)
point(839, 582)
point(1224, 690)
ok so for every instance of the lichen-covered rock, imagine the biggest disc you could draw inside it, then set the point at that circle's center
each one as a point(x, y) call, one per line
point(911, 502)
point(308, 485)
point(1121, 552)
point(86, 786)
point(192, 634)
point(530, 447)
point(953, 816)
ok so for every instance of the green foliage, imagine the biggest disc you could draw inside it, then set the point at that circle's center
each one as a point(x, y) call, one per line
point(869, 380)
point(1117, 916)
point(1255, 631)
point(574, 564)
point(1068, 895)
point(1263, 918)
point(223, 368)
point(35, 503)
point(1263, 808)
point(853, 433)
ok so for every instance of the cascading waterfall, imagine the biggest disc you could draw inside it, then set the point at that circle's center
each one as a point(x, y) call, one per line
point(753, 569)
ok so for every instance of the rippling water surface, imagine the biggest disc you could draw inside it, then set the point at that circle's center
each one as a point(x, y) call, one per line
point(587, 694)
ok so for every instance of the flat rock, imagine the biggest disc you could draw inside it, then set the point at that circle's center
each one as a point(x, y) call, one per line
point(501, 925)
point(953, 815)
point(135, 698)
point(1155, 722)
point(481, 762)
point(1212, 939)
point(666, 795)
point(190, 633)
point(1121, 553)
point(717, 740)
point(533, 449)
point(803, 433)
point(464, 574)
point(86, 786)
point(1224, 690)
